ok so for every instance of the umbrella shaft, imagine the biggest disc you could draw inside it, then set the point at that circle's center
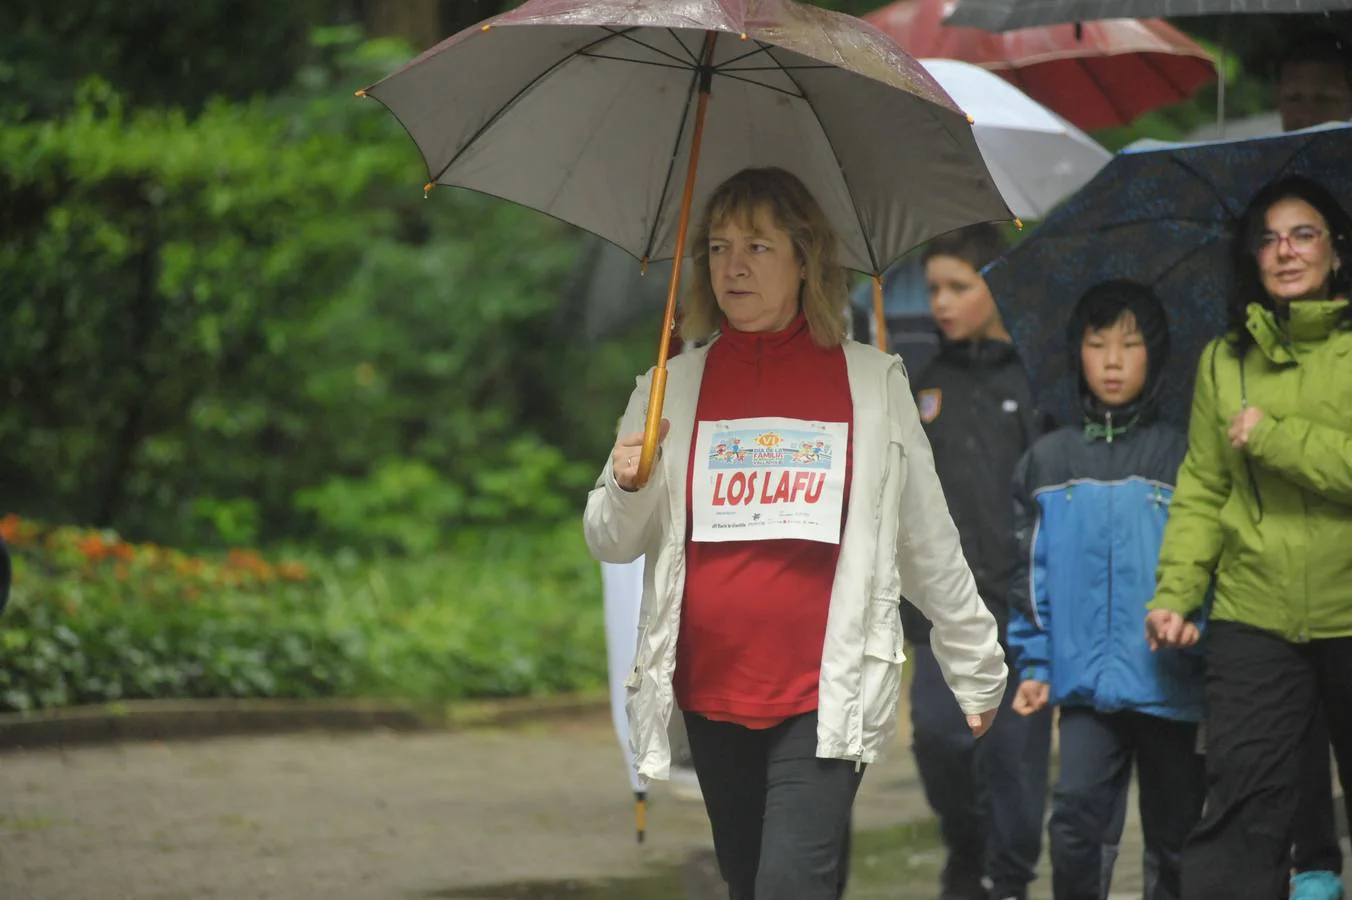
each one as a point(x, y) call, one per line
point(652, 427)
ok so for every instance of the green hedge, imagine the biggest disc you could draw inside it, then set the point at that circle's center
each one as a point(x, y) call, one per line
point(93, 619)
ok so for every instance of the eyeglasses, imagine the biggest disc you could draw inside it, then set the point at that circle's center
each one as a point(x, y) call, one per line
point(1301, 240)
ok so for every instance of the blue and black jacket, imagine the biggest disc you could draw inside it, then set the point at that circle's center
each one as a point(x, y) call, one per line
point(1090, 507)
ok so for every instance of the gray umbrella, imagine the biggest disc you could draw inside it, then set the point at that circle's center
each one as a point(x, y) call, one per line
point(620, 116)
point(1009, 15)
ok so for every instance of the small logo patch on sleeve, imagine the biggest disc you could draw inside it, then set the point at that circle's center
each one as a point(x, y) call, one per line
point(929, 401)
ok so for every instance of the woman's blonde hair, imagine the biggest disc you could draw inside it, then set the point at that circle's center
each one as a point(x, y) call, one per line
point(791, 206)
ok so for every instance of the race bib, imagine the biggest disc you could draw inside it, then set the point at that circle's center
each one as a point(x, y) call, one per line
point(768, 479)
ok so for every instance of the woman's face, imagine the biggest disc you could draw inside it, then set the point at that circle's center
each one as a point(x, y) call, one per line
point(1295, 253)
point(755, 272)
point(960, 301)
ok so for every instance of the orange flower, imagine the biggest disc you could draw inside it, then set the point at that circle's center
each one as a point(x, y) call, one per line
point(189, 566)
point(124, 552)
point(293, 571)
point(93, 548)
point(243, 558)
point(9, 528)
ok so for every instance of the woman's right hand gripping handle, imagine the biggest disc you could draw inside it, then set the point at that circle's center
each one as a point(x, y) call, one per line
point(624, 458)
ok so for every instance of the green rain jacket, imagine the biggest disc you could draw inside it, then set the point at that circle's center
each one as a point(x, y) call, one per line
point(1273, 522)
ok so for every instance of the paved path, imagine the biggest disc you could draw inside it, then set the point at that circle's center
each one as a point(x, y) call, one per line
point(367, 817)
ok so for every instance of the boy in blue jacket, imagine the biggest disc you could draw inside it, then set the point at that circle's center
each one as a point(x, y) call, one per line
point(1090, 507)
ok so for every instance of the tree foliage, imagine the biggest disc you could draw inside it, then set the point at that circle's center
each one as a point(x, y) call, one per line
point(248, 322)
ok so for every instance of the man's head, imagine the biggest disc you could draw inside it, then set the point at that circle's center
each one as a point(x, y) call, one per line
point(1314, 82)
point(1119, 337)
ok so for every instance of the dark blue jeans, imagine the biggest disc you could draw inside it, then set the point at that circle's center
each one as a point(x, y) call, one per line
point(1097, 751)
point(989, 794)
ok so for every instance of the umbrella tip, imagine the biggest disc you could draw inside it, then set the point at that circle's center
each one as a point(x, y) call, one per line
point(742, 35)
point(1018, 223)
point(361, 93)
point(485, 27)
point(427, 188)
point(970, 120)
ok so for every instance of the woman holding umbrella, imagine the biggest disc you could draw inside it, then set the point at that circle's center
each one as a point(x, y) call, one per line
point(794, 503)
point(1264, 501)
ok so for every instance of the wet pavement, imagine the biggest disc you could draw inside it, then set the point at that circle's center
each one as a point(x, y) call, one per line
point(382, 816)
point(532, 813)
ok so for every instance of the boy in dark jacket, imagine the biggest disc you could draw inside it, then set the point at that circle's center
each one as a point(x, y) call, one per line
point(977, 410)
point(1090, 506)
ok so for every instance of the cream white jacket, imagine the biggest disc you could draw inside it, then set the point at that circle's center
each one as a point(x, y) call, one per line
point(899, 540)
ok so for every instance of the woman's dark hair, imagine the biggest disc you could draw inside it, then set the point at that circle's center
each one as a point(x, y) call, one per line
point(976, 245)
point(1248, 287)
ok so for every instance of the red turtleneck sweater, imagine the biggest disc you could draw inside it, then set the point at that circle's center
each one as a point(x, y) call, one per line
point(754, 615)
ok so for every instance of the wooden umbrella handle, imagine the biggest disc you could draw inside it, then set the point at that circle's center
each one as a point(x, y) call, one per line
point(652, 428)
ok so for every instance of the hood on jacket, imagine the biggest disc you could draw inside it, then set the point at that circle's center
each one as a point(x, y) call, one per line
point(1100, 307)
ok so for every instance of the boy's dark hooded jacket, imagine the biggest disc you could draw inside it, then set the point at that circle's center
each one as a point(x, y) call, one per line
point(977, 410)
point(1090, 505)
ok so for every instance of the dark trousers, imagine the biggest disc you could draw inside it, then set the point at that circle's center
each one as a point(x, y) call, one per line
point(989, 794)
point(1315, 844)
point(1097, 751)
point(1263, 696)
point(780, 815)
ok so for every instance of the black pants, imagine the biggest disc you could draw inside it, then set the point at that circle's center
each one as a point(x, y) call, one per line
point(780, 815)
point(1263, 696)
point(1096, 753)
point(989, 795)
point(1315, 845)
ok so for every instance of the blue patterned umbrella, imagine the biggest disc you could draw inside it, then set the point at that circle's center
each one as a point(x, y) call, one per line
point(1161, 214)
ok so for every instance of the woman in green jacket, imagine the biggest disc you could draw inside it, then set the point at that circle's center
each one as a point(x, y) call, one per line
point(1264, 505)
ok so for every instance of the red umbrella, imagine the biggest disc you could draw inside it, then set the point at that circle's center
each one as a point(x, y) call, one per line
point(1095, 75)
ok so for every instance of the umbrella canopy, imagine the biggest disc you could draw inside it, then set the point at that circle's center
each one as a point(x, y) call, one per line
point(1036, 157)
point(585, 110)
point(1008, 15)
point(1163, 215)
point(1100, 75)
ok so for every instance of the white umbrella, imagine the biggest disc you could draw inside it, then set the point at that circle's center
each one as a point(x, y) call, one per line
point(1036, 157)
point(622, 589)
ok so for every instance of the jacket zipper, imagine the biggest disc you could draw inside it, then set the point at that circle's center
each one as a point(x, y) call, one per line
point(1248, 464)
point(1112, 515)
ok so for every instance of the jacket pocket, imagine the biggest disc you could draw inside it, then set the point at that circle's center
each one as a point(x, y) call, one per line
point(880, 670)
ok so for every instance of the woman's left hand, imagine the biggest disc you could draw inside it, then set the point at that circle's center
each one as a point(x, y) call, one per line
point(1242, 426)
point(982, 723)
